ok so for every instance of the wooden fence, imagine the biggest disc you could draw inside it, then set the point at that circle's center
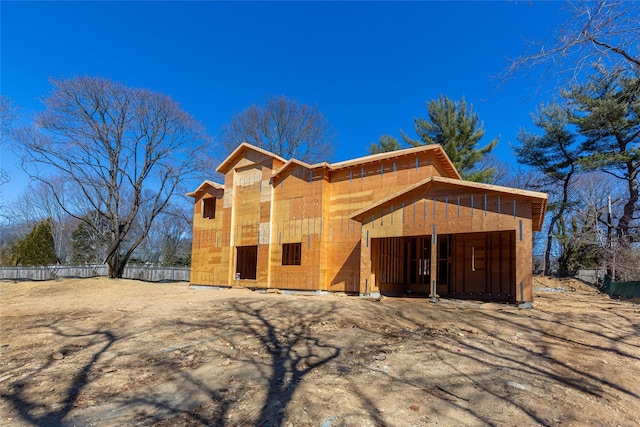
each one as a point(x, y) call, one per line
point(590, 276)
point(51, 272)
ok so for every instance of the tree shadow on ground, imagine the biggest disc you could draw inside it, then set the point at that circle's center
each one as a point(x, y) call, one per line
point(98, 345)
point(37, 414)
point(284, 333)
point(538, 362)
point(277, 329)
point(282, 340)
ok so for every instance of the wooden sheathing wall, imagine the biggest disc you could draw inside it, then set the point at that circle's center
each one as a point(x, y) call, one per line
point(352, 188)
point(297, 217)
point(250, 213)
point(445, 210)
point(242, 217)
point(209, 263)
point(245, 229)
point(483, 266)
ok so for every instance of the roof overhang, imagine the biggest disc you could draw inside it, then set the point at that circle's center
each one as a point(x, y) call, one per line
point(239, 152)
point(294, 162)
point(437, 150)
point(204, 187)
point(538, 200)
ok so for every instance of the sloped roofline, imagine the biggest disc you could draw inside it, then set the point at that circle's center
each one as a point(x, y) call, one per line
point(539, 200)
point(373, 158)
point(205, 184)
point(293, 162)
point(440, 154)
point(226, 164)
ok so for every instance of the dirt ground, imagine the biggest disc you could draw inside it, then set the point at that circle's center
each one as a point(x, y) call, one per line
point(110, 353)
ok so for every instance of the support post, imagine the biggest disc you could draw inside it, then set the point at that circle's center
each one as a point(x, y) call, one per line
point(433, 293)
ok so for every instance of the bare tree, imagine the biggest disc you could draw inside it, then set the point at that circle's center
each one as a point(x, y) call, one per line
point(168, 241)
point(176, 236)
point(283, 127)
point(602, 200)
point(38, 203)
point(502, 170)
point(524, 178)
point(7, 116)
point(123, 150)
point(602, 31)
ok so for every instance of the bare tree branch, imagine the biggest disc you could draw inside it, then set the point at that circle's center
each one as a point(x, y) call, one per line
point(283, 127)
point(124, 150)
point(604, 31)
point(7, 116)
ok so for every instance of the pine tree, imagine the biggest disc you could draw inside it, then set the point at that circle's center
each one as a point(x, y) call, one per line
point(385, 144)
point(88, 241)
point(606, 111)
point(37, 247)
point(555, 153)
point(455, 126)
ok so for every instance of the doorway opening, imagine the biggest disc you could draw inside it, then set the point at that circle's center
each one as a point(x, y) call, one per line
point(417, 256)
point(246, 262)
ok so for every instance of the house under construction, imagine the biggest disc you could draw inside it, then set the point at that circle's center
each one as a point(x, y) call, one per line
point(395, 223)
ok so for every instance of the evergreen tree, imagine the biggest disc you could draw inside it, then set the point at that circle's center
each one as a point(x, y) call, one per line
point(555, 153)
point(606, 111)
point(89, 242)
point(576, 252)
point(455, 126)
point(385, 144)
point(37, 247)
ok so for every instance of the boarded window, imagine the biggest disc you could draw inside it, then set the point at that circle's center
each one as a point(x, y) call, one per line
point(246, 262)
point(209, 208)
point(292, 254)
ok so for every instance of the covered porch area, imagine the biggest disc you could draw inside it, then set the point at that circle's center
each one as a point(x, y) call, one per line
point(468, 265)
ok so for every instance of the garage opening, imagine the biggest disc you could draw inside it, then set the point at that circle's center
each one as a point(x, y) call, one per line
point(246, 262)
point(470, 265)
point(484, 266)
point(402, 265)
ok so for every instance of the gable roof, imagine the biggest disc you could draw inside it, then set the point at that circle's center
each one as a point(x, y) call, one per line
point(206, 184)
point(438, 152)
point(437, 149)
point(538, 205)
point(293, 162)
point(239, 152)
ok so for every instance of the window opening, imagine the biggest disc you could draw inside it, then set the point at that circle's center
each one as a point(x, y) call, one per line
point(292, 254)
point(209, 208)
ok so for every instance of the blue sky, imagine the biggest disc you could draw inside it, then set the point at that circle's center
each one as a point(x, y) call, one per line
point(369, 67)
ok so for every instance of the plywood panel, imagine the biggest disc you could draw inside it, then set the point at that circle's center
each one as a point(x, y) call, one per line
point(483, 266)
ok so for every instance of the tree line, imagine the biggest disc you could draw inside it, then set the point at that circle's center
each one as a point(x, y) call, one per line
point(584, 152)
point(585, 148)
point(110, 163)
